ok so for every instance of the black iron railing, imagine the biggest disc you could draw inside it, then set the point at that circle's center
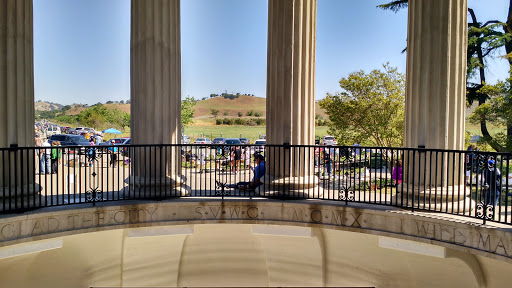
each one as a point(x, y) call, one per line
point(465, 183)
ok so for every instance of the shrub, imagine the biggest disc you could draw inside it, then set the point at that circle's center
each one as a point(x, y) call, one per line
point(240, 114)
point(226, 113)
point(257, 114)
point(227, 121)
point(239, 121)
point(258, 121)
point(250, 113)
point(218, 121)
point(251, 123)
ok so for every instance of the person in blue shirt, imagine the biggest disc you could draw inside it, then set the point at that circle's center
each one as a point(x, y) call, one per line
point(259, 171)
point(113, 154)
point(492, 176)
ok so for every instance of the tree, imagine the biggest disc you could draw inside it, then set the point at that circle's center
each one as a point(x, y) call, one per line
point(497, 111)
point(369, 110)
point(187, 111)
point(484, 41)
point(214, 112)
point(121, 102)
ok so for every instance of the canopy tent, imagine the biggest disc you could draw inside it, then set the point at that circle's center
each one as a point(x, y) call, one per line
point(112, 131)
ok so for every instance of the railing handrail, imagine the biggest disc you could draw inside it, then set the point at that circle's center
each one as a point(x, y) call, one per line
point(360, 174)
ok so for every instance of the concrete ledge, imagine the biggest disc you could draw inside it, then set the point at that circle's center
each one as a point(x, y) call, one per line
point(463, 235)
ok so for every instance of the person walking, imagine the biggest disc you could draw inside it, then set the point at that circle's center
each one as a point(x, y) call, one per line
point(492, 176)
point(397, 173)
point(327, 161)
point(238, 158)
point(113, 154)
point(44, 162)
point(56, 155)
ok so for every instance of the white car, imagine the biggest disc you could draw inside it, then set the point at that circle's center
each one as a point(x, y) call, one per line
point(79, 130)
point(53, 130)
point(203, 141)
point(329, 140)
point(259, 145)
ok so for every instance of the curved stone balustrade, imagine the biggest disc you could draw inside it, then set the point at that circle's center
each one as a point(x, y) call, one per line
point(450, 232)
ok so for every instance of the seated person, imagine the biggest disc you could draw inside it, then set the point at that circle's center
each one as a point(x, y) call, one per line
point(259, 171)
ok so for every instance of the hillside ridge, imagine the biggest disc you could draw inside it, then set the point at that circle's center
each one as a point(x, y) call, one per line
point(227, 107)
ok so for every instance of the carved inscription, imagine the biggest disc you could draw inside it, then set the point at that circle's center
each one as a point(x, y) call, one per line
point(218, 212)
point(481, 238)
point(343, 218)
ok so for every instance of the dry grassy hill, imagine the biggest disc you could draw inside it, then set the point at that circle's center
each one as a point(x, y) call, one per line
point(202, 108)
point(77, 109)
point(46, 106)
point(232, 107)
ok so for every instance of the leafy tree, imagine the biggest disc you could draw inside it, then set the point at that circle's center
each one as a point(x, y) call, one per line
point(109, 102)
point(121, 102)
point(497, 111)
point(484, 42)
point(214, 112)
point(128, 101)
point(187, 111)
point(98, 116)
point(369, 110)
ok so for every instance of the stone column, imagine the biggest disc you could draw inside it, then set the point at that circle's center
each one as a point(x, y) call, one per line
point(155, 58)
point(291, 93)
point(435, 102)
point(17, 167)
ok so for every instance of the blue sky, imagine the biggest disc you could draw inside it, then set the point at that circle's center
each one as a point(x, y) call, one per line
point(82, 47)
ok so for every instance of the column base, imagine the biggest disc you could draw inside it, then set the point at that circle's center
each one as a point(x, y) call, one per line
point(291, 187)
point(151, 187)
point(451, 199)
point(29, 200)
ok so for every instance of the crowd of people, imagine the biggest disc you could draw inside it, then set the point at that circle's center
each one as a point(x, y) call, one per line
point(51, 158)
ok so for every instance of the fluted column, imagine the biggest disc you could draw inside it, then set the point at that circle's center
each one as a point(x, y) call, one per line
point(291, 88)
point(435, 94)
point(155, 59)
point(17, 97)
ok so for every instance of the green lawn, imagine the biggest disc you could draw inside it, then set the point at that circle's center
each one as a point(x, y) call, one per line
point(234, 131)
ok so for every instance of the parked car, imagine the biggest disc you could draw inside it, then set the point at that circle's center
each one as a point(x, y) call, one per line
point(68, 130)
point(185, 139)
point(118, 141)
point(125, 151)
point(219, 140)
point(244, 141)
point(53, 130)
point(329, 140)
point(260, 145)
point(203, 141)
point(80, 130)
point(70, 140)
point(232, 141)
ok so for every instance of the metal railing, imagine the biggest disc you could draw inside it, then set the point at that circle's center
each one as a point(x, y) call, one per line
point(464, 183)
